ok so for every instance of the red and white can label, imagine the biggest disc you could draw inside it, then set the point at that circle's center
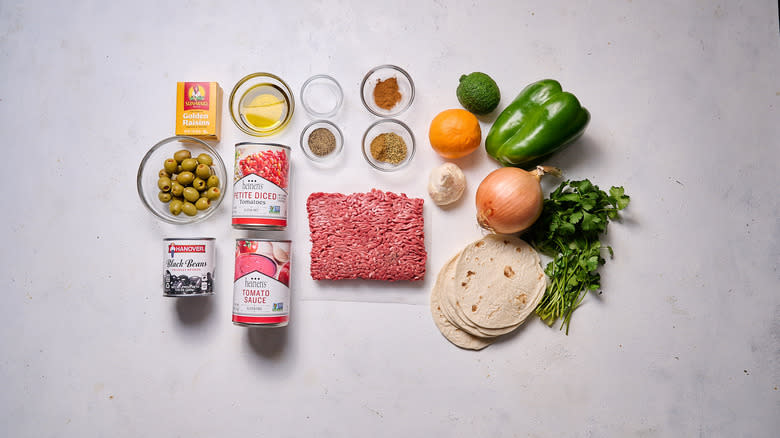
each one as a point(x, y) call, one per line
point(260, 185)
point(188, 267)
point(261, 288)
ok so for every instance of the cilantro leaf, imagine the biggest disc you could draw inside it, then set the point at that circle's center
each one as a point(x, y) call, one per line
point(618, 197)
point(569, 197)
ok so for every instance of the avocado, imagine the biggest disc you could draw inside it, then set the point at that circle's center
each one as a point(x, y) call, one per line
point(478, 93)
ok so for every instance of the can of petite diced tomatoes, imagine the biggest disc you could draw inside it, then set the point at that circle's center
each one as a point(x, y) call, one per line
point(260, 186)
point(261, 288)
point(188, 267)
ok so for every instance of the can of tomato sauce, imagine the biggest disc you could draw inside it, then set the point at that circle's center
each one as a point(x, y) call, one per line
point(261, 287)
point(260, 186)
point(188, 267)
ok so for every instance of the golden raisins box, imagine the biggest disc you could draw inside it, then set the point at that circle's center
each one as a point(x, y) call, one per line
point(199, 110)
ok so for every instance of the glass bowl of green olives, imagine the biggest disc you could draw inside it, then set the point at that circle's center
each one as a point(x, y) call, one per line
point(181, 180)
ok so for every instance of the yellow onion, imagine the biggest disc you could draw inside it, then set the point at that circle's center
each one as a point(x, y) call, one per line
point(509, 199)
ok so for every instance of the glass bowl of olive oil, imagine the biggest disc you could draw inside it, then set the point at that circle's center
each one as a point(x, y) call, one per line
point(261, 104)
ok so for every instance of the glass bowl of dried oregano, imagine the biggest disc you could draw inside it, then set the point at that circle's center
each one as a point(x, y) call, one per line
point(388, 145)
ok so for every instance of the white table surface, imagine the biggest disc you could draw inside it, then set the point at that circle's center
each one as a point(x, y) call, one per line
point(684, 341)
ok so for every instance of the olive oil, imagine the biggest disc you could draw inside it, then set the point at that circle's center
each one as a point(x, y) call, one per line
point(264, 107)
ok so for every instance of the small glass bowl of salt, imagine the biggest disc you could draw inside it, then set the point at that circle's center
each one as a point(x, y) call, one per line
point(321, 96)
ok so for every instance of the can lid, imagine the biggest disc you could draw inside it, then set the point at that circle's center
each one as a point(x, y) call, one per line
point(166, 239)
point(251, 239)
point(250, 143)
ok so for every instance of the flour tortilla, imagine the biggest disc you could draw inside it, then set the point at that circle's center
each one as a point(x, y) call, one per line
point(450, 331)
point(459, 319)
point(498, 282)
point(455, 315)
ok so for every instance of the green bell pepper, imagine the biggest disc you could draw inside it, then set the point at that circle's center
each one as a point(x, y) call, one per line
point(539, 122)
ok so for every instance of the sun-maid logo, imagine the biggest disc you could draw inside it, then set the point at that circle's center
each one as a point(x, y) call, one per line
point(197, 95)
point(173, 248)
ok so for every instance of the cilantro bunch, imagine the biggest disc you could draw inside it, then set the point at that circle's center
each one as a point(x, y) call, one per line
point(573, 218)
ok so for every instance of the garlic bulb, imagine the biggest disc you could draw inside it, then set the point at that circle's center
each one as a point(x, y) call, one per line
point(446, 184)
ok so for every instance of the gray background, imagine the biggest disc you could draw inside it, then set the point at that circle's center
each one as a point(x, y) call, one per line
point(683, 341)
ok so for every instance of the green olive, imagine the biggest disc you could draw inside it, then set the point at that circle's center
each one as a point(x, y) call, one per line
point(189, 209)
point(213, 193)
point(185, 178)
point(199, 184)
point(164, 184)
point(203, 171)
point(202, 203)
point(191, 194)
point(175, 207)
point(164, 196)
point(205, 159)
point(213, 181)
point(177, 189)
point(189, 164)
point(170, 165)
point(163, 173)
point(181, 155)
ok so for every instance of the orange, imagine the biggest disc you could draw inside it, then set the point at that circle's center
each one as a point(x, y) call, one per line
point(455, 133)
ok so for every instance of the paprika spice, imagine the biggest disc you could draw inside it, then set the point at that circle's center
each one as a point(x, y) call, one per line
point(386, 94)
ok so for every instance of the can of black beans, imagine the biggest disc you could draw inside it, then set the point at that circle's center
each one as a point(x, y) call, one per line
point(188, 267)
point(261, 287)
point(260, 186)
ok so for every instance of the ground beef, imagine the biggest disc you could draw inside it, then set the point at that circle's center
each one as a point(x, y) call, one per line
point(376, 235)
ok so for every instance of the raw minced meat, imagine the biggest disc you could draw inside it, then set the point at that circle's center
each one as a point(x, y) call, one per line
point(376, 235)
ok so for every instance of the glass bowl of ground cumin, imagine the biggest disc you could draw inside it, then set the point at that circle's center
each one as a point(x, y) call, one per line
point(387, 90)
point(388, 145)
point(321, 141)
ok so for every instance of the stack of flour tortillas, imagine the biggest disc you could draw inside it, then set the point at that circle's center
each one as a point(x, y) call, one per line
point(487, 290)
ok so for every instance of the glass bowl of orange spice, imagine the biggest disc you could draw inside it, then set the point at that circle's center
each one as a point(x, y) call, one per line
point(387, 90)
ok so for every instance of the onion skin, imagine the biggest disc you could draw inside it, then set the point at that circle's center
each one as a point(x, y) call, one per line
point(509, 200)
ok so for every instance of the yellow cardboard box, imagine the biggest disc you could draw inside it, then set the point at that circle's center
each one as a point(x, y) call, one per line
point(199, 110)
